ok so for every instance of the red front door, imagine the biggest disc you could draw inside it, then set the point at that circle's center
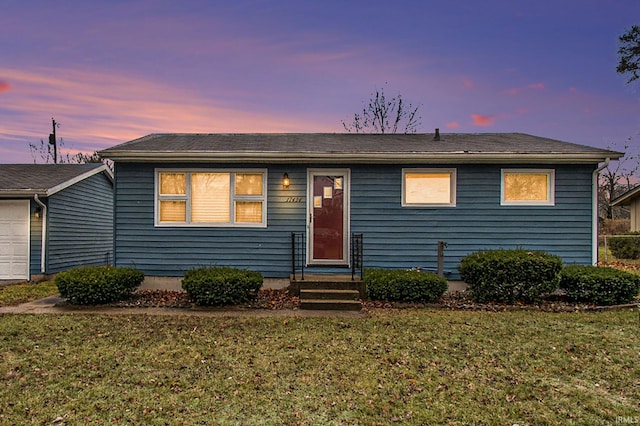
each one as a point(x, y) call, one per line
point(328, 236)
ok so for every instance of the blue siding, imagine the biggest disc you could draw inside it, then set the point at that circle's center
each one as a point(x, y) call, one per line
point(80, 227)
point(394, 236)
point(401, 237)
point(35, 243)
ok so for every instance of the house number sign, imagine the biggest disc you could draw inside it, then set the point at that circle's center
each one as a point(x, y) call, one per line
point(294, 199)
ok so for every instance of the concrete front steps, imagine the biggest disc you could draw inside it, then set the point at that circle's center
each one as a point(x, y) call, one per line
point(338, 293)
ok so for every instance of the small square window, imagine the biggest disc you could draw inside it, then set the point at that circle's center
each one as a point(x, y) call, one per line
point(429, 187)
point(533, 187)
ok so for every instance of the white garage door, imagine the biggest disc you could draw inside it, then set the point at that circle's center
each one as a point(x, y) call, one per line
point(14, 240)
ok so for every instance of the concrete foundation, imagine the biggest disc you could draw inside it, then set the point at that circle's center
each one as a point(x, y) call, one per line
point(175, 284)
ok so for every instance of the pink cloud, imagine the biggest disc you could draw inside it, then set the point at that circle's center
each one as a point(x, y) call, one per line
point(468, 84)
point(483, 120)
point(4, 86)
point(573, 89)
point(522, 110)
point(452, 125)
point(532, 86)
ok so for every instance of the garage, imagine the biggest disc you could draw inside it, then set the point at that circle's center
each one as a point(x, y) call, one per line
point(14, 239)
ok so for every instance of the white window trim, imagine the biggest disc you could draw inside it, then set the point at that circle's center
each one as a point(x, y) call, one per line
point(187, 197)
point(551, 189)
point(453, 182)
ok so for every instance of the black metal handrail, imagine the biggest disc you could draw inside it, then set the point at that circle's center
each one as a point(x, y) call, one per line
point(357, 264)
point(297, 254)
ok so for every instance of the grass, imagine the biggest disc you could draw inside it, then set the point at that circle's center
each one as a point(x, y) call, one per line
point(14, 294)
point(408, 367)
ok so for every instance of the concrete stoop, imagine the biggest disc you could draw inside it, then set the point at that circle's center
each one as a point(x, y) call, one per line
point(324, 293)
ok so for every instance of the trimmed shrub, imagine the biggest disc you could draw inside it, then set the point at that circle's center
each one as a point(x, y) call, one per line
point(217, 286)
point(509, 276)
point(599, 285)
point(625, 248)
point(94, 285)
point(405, 286)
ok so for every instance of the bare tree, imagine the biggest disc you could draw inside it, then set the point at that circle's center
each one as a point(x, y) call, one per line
point(615, 180)
point(47, 152)
point(385, 115)
point(629, 53)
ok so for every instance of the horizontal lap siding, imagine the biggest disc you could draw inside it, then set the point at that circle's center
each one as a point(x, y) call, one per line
point(402, 237)
point(394, 236)
point(35, 243)
point(170, 251)
point(80, 227)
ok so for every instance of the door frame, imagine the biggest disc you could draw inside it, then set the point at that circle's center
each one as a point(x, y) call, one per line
point(346, 215)
point(25, 206)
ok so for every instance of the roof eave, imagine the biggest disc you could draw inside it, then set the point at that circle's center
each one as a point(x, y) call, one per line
point(356, 157)
point(627, 197)
point(22, 193)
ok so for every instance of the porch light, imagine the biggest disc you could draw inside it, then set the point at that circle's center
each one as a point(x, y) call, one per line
point(38, 212)
point(285, 181)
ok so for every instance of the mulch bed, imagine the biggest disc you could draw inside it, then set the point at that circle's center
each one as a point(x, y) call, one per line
point(281, 299)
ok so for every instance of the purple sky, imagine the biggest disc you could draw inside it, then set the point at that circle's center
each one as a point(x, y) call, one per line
point(111, 71)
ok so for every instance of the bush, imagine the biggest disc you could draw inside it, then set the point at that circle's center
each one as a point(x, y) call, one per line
point(216, 286)
point(614, 226)
point(510, 276)
point(405, 286)
point(625, 248)
point(93, 285)
point(599, 285)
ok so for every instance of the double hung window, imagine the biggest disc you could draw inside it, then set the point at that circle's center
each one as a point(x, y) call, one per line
point(211, 198)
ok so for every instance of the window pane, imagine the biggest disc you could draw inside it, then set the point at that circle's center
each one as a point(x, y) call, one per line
point(173, 184)
point(526, 187)
point(427, 188)
point(210, 197)
point(248, 184)
point(248, 212)
point(173, 211)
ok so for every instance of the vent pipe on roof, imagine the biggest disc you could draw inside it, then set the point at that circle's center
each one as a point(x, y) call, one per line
point(437, 135)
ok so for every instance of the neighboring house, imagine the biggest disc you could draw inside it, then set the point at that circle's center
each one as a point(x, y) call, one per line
point(189, 200)
point(630, 198)
point(54, 217)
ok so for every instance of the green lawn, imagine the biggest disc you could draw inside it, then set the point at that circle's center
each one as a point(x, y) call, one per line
point(404, 367)
point(14, 294)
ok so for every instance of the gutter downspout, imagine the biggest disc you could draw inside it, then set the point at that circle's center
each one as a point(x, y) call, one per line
point(594, 236)
point(43, 243)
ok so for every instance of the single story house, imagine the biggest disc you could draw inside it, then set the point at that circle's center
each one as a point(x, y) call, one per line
point(54, 217)
point(266, 201)
point(630, 198)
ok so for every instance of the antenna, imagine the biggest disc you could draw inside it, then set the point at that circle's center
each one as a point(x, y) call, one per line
point(52, 140)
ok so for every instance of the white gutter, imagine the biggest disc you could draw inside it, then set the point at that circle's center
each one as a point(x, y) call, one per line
point(43, 243)
point(282, 157)
point(594, 214)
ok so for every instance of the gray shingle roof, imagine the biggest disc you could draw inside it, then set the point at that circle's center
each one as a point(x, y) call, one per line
point(41, 179)
point(351, 147)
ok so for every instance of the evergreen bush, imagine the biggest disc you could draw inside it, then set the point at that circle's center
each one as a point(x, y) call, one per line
point(217, 286)
point(509, 276)
point(599, 285)
point(625, 247)
point(94, 285)
point(405, 286)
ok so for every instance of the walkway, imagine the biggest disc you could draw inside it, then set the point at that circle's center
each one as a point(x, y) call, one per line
point(49, 305)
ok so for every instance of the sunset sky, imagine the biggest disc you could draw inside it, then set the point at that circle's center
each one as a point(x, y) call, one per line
point(112, 71)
